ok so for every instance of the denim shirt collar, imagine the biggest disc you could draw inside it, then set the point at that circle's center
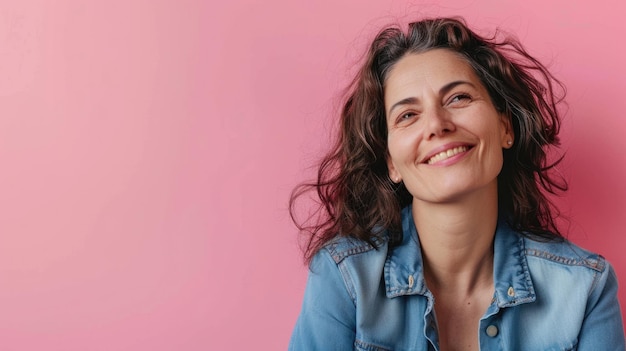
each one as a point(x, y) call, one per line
point(404, 273)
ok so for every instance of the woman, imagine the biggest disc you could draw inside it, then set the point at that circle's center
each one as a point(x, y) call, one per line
point(434, 230)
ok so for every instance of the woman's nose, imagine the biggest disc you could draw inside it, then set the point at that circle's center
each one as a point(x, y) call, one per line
point(438, 122)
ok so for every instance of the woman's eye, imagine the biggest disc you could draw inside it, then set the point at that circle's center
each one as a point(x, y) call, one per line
point(460, 98)
point(406, 116)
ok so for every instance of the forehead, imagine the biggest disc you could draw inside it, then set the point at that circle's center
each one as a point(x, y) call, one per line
point(433, 68)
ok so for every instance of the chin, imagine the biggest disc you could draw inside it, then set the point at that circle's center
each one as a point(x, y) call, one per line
point(455, 192)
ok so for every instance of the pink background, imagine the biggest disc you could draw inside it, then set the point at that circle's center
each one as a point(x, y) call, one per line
point(148, 149)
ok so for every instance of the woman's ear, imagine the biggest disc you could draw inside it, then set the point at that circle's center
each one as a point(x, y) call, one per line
point(508, 137)
point(394, 175)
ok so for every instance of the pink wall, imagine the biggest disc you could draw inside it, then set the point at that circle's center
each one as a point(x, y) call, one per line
point(148, 149)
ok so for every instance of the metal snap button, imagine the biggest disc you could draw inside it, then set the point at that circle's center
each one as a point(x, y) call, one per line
point(492, 331)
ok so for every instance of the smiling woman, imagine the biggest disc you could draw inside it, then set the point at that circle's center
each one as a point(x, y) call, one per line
point(434, 231)
point(445, 137)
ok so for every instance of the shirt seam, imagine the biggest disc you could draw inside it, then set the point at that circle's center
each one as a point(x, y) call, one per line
point(596, 263)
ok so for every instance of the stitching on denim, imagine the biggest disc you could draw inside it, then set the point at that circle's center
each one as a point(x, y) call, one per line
point(594, 283)
point(353, 247)
point(348, 282)
point(596, 263)
point(361, 345)
point(526, 271)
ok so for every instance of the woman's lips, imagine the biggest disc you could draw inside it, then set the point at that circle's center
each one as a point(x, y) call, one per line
point(446, 152)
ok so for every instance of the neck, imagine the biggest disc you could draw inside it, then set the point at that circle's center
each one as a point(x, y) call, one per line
point(457, 241)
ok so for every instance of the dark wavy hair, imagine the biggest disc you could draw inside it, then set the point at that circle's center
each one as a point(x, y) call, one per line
point(356, 196)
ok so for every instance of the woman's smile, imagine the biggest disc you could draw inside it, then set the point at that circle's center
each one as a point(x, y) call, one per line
point(447, 156)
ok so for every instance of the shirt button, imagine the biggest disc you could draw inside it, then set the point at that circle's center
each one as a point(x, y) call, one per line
point(411, 281)
point(511, 292)
point(492, 331)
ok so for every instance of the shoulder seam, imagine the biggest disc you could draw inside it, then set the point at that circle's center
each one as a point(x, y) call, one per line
point(593, 261)
point(340, 249)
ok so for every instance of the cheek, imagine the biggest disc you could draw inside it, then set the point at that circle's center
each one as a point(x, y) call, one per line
point(494, 157)
point(397, 157)
point(402, 147)
point(392, 148)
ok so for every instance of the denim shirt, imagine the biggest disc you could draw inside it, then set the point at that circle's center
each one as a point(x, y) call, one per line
point(548, 296)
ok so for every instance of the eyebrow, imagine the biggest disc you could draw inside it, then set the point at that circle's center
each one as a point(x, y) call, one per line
point(444, 90)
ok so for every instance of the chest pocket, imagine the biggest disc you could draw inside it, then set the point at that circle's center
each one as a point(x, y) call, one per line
point(363, 346)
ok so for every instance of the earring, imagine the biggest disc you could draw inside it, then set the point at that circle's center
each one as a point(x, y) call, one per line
point(510, 142)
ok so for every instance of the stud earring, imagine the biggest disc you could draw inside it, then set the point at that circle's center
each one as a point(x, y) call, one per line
point(510, 142)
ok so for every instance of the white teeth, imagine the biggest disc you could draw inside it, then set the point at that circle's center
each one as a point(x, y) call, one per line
point(446, 154)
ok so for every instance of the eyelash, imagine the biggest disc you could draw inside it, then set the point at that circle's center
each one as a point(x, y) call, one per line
point(406, 115)
point(458, 98)
point(462, 96)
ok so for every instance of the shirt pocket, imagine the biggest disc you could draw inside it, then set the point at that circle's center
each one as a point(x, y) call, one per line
point(364, 346)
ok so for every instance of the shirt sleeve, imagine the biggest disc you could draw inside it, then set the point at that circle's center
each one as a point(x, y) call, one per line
point(328, 316)
point(603, 326)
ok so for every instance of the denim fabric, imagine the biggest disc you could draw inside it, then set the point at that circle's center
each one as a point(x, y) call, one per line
point(548, 296)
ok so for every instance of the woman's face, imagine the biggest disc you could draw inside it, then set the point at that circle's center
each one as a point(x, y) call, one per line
point(445, 137)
